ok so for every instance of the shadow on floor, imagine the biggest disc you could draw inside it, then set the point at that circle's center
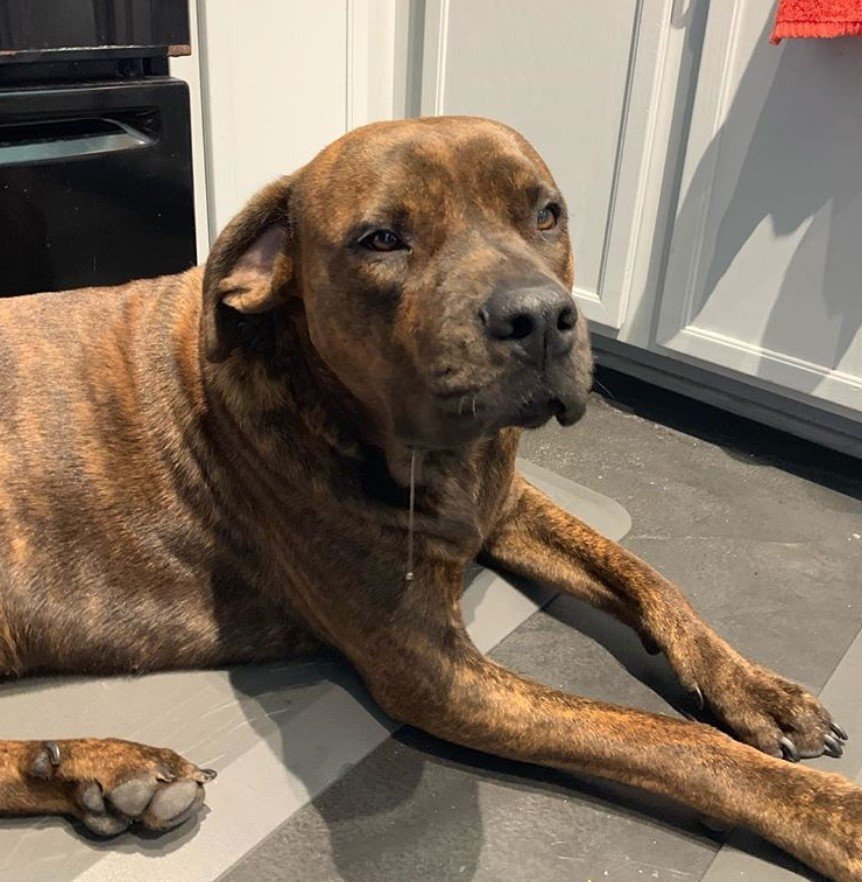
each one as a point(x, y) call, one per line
point(737, 436)
point(355, 824)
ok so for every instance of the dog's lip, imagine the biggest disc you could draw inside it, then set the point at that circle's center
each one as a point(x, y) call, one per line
point(535, 412)
point(568, 413)
point(538, 404)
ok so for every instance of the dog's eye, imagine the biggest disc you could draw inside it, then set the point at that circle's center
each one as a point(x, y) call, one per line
point(547, 217)
point(383, 240)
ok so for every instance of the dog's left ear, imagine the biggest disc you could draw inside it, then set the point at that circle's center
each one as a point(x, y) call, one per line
point(249, 270)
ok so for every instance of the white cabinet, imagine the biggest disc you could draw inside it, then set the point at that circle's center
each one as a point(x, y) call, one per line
point(765, 269)
point(580, 81)
point(275, 93)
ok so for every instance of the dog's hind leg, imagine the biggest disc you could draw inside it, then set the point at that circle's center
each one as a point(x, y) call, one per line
point(537, 539)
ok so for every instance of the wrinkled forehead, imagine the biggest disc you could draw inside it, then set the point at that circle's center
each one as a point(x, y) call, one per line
point(407, 170)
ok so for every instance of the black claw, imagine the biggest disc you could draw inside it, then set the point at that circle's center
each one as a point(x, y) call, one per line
point(45, 761)
point(53, 752)
point(842, 735)
point(788, 748)
point(833, 747)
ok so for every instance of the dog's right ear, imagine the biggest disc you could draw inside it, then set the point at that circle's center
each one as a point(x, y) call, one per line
point(249, 270)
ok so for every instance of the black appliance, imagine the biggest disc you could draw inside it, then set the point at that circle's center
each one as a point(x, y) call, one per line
point(95, 143)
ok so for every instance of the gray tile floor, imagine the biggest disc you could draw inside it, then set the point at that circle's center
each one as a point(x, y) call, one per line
point(763, 532)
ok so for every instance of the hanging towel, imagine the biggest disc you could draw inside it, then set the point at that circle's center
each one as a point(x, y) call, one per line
point(817, 18)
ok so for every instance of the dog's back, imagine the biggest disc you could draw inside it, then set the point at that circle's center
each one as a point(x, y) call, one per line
point(99, 388)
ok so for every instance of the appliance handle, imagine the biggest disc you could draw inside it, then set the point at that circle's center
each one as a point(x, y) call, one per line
point(29, 144)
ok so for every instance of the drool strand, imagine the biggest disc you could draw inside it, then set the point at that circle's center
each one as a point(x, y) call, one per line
point(408, 576)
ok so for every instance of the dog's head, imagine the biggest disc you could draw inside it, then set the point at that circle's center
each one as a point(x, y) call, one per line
point(432, 263)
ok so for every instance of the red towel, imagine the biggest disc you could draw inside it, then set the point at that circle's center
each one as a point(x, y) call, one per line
point(817, 18)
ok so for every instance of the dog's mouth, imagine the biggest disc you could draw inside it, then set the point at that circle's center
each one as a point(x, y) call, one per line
point(494, 409)
point(536, 412)
point(459, 419)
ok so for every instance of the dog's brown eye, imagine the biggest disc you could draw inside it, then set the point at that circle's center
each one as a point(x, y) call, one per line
point(546, 218)
point(382, 240)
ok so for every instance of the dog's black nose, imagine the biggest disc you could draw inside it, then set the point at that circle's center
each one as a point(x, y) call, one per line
point(539, 323)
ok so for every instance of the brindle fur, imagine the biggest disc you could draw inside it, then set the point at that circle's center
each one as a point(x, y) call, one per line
point(212, 468)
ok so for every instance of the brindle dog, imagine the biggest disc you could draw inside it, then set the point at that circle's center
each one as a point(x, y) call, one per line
point(213, 468)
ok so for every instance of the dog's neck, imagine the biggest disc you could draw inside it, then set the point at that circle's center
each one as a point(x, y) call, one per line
point(289, 408)
point(289, 397)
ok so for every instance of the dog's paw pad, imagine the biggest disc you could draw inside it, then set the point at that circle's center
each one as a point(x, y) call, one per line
point(89, 795)
point(173, 804)
point(156, 805)
point(105, 825)
point(132, 797)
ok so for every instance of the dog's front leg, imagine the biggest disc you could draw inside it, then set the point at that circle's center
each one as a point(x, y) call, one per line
point(420, 665)
point(107, 783)
point(537, 539)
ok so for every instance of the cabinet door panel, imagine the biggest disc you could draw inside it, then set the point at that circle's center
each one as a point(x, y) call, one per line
point(765, 268)
point(270, 101)
point(580, 80)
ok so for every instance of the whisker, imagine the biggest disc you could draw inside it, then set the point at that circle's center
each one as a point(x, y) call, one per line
point(604, 389)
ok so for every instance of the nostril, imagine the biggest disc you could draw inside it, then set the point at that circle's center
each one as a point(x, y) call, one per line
point(531, 320)
point(522, 326)
point(567, 319)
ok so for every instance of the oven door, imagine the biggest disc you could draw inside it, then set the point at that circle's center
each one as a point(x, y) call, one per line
point(95, 185)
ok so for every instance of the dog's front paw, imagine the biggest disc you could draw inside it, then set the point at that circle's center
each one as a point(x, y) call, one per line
point(112, 784)
point(773, 714)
